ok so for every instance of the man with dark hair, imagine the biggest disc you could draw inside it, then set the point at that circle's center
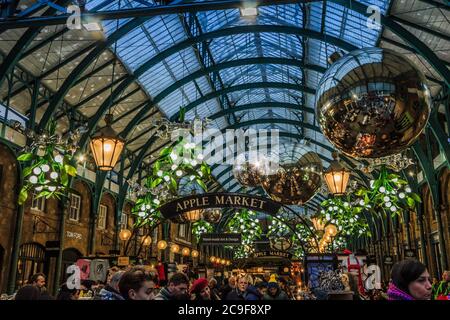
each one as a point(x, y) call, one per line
point(137, 284)
point(38, 280)
point(177, 289)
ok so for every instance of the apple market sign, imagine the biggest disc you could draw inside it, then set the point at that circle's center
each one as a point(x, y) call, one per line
point(218, 200)
point(273, 253)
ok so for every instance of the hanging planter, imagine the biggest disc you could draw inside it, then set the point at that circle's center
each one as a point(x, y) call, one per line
point(247, 224)
point(50, 166)
point(388, 193)
point(174, 170)
point(345, 215)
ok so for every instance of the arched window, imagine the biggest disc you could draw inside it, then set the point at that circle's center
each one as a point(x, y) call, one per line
point(31, 261)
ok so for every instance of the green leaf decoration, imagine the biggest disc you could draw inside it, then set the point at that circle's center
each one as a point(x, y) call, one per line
point(411, 203)
point(27, 171)
point(71, 171)
point(202, 184)
point(43, 194)
point(156, 182)
point(165, 152)
point(23, 195)
point(182, 114)
point(173, 183)
point(25, 157)
point(416, 197)
point(64, 178)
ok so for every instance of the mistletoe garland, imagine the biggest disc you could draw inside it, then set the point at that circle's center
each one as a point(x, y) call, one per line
point(346, 216)
point(247, 224)
point(50, 165)
point(277, 228)
point(175, 169)
point(200, 227)
point(388, 193)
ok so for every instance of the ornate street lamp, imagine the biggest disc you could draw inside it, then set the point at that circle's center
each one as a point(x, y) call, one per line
point(336, 177)
point(106, 146)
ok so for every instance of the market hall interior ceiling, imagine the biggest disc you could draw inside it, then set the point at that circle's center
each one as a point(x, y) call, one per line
point(260, 72)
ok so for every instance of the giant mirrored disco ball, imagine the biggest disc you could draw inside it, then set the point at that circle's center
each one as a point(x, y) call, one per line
point(295, 183)
point(372, 103)
point(249, 168)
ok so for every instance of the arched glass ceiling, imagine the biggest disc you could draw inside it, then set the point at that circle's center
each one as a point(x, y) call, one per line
point(54, 53)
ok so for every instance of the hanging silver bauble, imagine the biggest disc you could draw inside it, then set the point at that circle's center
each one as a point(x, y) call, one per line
point(212, 215)
point(372, 103)
point(248, 169)
point(295, 183)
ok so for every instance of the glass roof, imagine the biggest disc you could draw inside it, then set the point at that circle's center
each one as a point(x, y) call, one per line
point(153, 36)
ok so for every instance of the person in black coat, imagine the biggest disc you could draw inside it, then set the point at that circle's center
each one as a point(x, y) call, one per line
point(244, 289)
point(228, 287)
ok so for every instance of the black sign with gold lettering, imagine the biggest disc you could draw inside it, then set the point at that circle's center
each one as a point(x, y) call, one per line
point(272, 253)
point(229, 239)
point(219, 200)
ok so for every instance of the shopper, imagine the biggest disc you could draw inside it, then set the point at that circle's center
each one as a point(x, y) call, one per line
point(38, 280)
point(262, 288)
point(111, 272)
point(410, 280)
point(200, 291)
point(229, 286)
point(444, 286)
point(28, 292)
point(111, 290)
point(176, 289)
point(137, 284)
point(274, 292)
point(215, 294)
point(64, 293)
point(242, 291)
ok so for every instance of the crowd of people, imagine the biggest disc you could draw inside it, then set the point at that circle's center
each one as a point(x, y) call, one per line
point(138, 283)
point(410, 280)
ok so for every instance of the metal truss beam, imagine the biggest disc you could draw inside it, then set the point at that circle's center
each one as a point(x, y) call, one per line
point(15, 54)
point(432, 32)
point(242, 87)
point(148, 12)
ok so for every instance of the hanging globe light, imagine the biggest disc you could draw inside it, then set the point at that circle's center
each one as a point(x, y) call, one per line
point(372, 103)
point(124, 234)
point(185, 252)
point(194, 253)
point(162, 245)
point(147, 241)
point(336, 177)
point(175, 248)
point(212, 215)
point(106, 146)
